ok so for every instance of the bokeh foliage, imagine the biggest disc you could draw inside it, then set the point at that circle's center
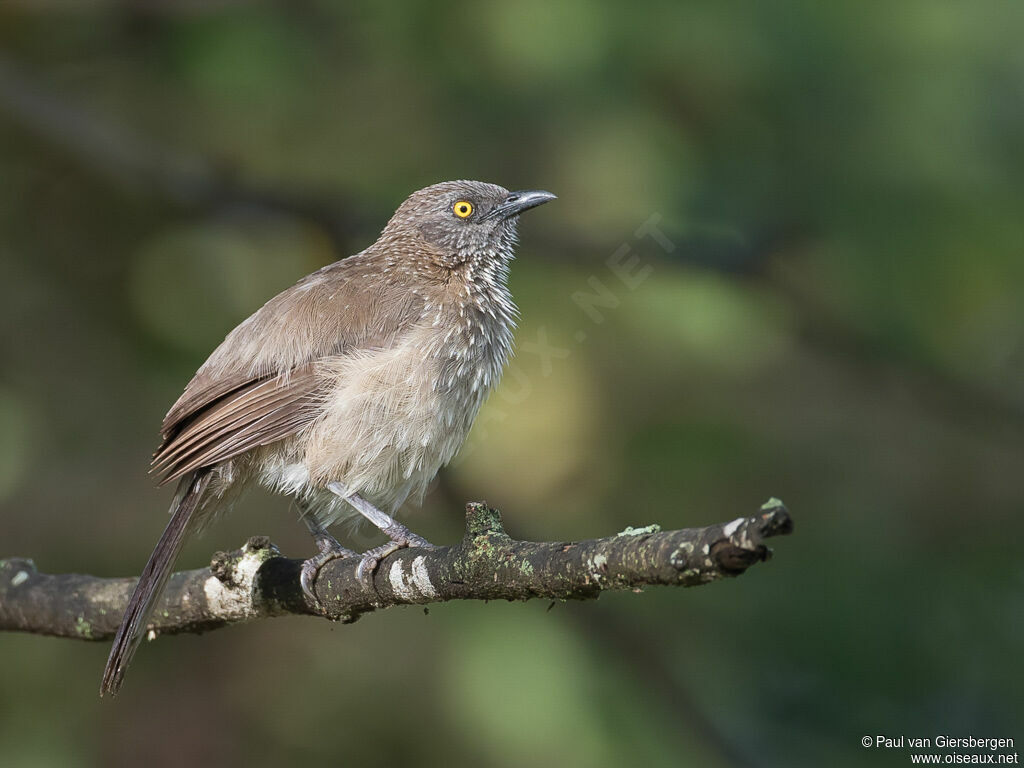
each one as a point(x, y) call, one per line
point(839, 324)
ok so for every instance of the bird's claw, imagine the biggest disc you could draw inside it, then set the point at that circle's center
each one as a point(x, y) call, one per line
point(311, 569)
point(372, 557)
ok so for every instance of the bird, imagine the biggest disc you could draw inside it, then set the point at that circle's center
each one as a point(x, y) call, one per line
point(347, 391)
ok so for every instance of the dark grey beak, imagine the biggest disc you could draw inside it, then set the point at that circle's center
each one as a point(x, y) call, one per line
point(520, 201)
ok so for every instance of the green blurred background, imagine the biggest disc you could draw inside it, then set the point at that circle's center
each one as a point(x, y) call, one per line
point(838, 323)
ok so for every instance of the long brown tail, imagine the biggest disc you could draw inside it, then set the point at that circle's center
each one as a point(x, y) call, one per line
point(153, 580)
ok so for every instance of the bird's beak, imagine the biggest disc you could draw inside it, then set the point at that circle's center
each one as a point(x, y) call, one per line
point(520, 201)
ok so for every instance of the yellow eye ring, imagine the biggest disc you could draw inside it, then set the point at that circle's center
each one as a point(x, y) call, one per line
point(463, 209)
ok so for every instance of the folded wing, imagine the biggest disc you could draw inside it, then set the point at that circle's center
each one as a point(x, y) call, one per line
point(260, 384)
point(255, 414)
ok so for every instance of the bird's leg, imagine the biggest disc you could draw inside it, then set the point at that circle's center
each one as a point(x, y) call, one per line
point(325, 542)
point(330, 549)
point(399, 534)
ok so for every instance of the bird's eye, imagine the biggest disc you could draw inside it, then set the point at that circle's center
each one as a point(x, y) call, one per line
point(462, 209)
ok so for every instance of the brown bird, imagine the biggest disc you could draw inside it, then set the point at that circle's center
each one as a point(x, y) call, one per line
point(349, 390)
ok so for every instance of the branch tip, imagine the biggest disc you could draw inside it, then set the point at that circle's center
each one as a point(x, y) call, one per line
point(481, 520)
point(735, 560)
point(256, 543)
point(775, 519)
point(221, 565)
point(18, 564)
point(18, 570)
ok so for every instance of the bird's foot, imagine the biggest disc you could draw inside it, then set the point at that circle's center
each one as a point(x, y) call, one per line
point(401, 538)
point(330, 549)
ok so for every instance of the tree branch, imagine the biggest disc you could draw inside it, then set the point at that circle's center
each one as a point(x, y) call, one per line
point(257, 582)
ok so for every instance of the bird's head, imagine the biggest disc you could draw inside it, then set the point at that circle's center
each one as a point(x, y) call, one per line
point(465, 220)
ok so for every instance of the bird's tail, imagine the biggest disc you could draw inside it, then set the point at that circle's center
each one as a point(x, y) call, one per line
point(153, 579)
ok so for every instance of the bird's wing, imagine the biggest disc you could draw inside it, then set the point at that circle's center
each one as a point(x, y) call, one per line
point(259, 413)
point(260, 384)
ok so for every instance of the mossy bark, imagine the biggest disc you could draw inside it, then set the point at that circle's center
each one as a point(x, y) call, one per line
point(257, 582)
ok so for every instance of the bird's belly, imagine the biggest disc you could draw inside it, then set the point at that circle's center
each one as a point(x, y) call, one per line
point(387, 425)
